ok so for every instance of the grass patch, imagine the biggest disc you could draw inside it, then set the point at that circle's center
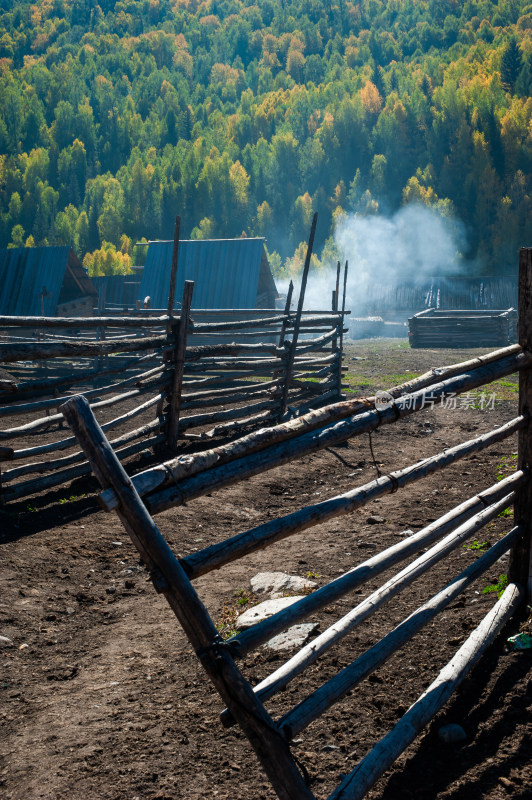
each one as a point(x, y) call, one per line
point(476, 545)
point(498, 587)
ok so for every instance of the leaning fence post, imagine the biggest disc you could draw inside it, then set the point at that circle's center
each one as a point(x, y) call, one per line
point(180, 330)
point(520, 569)
point(297, 321)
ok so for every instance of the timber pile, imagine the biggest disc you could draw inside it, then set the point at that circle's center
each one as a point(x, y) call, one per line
point(434, 328)
point(137, 500)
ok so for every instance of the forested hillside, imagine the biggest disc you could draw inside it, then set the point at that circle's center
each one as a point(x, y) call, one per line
point(116, 116)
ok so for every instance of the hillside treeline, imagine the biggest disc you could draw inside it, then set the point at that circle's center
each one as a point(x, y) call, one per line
point(116, 116)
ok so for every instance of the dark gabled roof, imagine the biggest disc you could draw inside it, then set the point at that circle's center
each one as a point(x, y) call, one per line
point(225, 272)
point(26, 271)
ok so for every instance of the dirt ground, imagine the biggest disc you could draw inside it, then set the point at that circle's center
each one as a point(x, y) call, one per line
point(101, 694)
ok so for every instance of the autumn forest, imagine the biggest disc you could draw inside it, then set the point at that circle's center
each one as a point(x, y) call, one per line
point(245, 118)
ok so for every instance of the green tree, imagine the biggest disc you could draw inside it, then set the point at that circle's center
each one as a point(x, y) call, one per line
point(511, 63)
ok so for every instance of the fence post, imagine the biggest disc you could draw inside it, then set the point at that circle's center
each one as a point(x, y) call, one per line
point(342, 321)
point(520, 569)
point(297, 321)
point(180, 331)
point(173, 270)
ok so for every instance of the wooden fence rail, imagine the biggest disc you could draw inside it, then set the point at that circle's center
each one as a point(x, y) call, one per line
point(184, 478)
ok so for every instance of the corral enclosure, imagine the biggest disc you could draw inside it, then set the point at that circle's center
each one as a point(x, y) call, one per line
point(322, 751)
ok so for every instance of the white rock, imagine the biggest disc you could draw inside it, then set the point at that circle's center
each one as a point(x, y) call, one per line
point(296, 636)
point(5, 642)
point(263, 611)
point(276, 584)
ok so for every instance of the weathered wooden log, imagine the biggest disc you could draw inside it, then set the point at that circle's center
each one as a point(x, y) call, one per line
point(315, 344)
point(355, 785)
point(330, 692)
point(520, 567)
point(57, 478)
point(442, 373)
point(228, 391)
point(189, 610)
point(258, 365)
point(215, 327)
point(307, 323)
point(220, 350)
point(219, 416)
point(180, 334)
point(239, 425)
point(42, 351)
point(263, 535)
point(313, 441)
point(226, 399)
point(311, 652)
point(40, 323)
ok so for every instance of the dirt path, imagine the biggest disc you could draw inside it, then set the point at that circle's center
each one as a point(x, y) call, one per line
point(102, 697)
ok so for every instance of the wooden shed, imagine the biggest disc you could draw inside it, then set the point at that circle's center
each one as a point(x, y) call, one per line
point(463, 328)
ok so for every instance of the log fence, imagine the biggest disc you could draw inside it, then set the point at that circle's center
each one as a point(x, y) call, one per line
point(196, 374)
point(137, 500)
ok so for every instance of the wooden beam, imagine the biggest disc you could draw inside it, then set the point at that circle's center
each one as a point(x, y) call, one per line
point(520, 567)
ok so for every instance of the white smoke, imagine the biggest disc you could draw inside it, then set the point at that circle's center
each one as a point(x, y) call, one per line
point(411, 246)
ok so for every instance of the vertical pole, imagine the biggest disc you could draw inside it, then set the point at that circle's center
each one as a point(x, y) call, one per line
point(173, 271)
point(336, 366)
point(520, 569)
point(284, 325)
point(297, 321)
point(337, 287)
point(180, 330)
point(170, 356)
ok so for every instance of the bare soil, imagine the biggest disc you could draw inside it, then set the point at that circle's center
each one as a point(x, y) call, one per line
point(102, 696)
